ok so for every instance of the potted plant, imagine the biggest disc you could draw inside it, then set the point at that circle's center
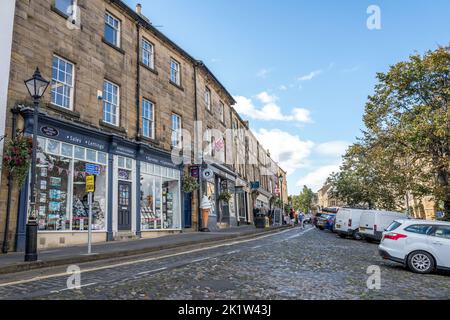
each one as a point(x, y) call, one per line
point(190, 184)
point(17, 158)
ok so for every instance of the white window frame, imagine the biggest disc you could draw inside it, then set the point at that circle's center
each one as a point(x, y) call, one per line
point(71, 86)
point(118, 29)
point(222, 111)
point(151, 120)
point(208, 98)
point(175, 71)
point(148, 54)
point(176, 130)
point(111, 103)
point(73, 5)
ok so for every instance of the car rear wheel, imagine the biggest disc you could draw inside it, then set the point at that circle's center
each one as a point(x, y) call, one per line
point(421, 262)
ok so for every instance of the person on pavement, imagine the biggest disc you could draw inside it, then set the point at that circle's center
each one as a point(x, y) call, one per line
point(301, 219)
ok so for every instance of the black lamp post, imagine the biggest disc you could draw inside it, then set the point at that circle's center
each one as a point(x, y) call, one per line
point(280, 179)
point(36, 87)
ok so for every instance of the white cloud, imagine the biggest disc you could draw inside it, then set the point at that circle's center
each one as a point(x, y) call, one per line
point(288, 150)
point(315, 179)
point(333, 148)
point(266, 98)
point(310, 76)
point(270, 110)
point(263, 73)
point(282, 88)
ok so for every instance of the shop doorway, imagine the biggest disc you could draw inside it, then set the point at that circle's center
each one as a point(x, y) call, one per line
point(124, 210)
point(188, 210)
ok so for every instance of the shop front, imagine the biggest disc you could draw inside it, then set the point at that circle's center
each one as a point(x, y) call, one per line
point(160, 195)
point(221, 190)
point(242, 202)
point(65, 156)
point(137, 189)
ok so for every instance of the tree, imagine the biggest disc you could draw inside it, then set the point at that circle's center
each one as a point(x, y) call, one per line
point(304, 200)
point(408, 118)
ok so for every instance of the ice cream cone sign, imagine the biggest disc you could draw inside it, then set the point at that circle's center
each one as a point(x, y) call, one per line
point(206, 206)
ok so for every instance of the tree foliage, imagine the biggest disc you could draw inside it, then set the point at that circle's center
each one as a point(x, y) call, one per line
point(406, 144)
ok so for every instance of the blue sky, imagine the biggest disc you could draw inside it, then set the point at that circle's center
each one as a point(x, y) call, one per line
point(301, 70)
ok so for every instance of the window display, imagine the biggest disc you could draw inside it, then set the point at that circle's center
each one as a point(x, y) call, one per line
point(160, 198)
point(61, 179)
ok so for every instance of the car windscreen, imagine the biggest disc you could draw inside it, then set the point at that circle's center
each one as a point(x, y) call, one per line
point(394, 225)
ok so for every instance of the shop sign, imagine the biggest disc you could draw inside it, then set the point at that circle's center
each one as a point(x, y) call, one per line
point(49, 131)
point(195, 171)
point(90, 184)
point(208, 174)
point(92, 169)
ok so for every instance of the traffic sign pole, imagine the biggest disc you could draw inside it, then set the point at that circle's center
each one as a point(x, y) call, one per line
point(90, 189)
point(90, 223)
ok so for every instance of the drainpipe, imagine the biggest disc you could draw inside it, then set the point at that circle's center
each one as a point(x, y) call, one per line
point(138, 80)
point(5, 246)
point(199, 191)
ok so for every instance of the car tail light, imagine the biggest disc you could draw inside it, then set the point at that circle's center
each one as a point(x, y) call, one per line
point(375, 227)
point(349, 222)
point(395, 236)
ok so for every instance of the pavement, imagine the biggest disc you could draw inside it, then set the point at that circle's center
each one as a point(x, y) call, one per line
point(291, 264)
point(14, 262)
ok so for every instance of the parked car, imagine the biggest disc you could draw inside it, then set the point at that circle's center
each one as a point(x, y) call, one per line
point(326, 221)
point(422, 246)
point(347, 223)
point(373, 223)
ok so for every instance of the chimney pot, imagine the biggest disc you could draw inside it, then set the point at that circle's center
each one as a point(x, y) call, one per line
point(139, 9)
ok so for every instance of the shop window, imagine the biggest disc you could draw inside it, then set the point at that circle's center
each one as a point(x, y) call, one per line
point(160, 198)
point(61, 184)
point(80, 205)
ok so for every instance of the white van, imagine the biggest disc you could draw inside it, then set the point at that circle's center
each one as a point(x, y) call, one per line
point(347, 222)
point(373, 223)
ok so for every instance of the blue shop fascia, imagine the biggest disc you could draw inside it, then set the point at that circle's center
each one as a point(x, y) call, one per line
point(137, 186)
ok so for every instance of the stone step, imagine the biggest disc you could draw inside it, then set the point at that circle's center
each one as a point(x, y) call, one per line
point(125, 236)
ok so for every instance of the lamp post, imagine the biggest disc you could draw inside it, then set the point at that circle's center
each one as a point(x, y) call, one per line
point(36, 87)
point(280, 179)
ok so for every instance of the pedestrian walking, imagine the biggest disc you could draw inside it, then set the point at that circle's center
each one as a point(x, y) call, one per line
point(301, 219)
point(291, 217)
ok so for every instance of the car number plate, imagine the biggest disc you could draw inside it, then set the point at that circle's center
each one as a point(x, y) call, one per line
point(362, 229)
point(338, 226)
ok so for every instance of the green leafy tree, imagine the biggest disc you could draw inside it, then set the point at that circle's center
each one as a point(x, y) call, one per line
point(409, 118)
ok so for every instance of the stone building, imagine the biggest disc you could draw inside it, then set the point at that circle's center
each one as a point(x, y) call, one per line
point(123, 100)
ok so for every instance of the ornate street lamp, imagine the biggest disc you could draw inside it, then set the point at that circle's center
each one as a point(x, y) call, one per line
point(36, 87)
point(280, 179)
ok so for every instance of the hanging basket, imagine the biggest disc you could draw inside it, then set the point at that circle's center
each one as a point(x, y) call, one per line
point(17, 158)
point(190, 184)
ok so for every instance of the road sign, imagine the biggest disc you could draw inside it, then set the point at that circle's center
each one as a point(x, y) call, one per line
point(90, 184)
point(440, 214)
point(92, 169)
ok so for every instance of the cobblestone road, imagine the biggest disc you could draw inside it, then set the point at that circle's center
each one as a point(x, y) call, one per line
point(295, 264)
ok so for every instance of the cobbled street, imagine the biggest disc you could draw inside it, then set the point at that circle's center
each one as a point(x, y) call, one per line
point(294, 264)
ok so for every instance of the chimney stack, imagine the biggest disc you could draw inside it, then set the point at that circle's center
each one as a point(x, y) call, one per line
point(139, 9)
